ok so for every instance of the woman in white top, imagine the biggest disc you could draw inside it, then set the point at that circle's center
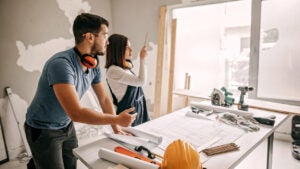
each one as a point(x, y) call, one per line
point(125, 86)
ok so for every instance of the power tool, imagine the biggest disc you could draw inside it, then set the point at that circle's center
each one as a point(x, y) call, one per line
point(296, 137)
point(221, 99)
point(228, 100)
point(244, 90)
point(217, 97)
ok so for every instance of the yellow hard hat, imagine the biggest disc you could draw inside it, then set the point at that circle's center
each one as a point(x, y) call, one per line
point(181, 155)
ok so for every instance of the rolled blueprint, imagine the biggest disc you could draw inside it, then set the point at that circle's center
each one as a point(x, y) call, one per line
point(128, 139)
point(220, 109)
point(127, 161)
point(138, 133)
point(140, 138)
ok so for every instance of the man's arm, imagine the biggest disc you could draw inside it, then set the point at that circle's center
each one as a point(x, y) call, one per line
point(106, 104)
point(69, 100)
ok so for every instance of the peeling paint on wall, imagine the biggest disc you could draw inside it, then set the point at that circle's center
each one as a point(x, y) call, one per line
point(40, 53)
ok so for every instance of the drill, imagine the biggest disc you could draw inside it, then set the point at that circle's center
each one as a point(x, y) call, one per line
point(244, 90)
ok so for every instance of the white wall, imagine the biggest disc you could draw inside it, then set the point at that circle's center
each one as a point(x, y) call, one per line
point(31, 31)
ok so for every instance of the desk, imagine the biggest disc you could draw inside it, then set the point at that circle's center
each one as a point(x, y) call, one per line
point(88, 154)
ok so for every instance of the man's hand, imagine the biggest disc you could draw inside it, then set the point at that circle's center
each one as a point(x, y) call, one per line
point(118, 130)
point(125, 119)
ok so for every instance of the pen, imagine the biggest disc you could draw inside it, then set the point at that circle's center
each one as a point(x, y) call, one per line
point(157, 155)
point(146, 39)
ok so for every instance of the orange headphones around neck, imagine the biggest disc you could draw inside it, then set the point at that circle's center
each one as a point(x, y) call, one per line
point(128, 64)
point(87, 60)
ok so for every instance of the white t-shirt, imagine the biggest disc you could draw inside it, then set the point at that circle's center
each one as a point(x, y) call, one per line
point(119, 78)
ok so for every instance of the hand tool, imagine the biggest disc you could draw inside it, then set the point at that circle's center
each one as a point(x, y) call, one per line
point(133, 154)
point(266, 121)
point(139, 149)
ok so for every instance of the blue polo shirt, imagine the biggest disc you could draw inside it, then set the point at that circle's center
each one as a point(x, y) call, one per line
point(45, 112)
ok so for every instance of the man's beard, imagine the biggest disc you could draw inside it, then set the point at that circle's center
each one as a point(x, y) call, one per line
point(95, 51)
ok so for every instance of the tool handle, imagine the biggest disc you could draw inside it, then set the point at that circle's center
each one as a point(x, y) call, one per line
point(265, 121)
point(141, 148)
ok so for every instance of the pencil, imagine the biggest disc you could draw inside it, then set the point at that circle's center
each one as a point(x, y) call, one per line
point(157, 155)
point(146, 39)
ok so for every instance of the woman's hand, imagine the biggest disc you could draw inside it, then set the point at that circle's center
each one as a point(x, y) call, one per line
point(143, 52)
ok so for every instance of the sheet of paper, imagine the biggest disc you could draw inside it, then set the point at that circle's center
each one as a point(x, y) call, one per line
point(198, 132)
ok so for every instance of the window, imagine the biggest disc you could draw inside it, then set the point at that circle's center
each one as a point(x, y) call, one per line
point(213, 46)
point(213, 43)
point(279, 59)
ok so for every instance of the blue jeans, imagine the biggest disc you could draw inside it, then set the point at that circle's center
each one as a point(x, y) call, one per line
point(52, 149)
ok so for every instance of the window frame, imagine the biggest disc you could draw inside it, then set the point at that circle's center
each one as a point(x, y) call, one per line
point(256, 8)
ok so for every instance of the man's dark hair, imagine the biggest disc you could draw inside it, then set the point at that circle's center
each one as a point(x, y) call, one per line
point(85, 23)
point(115, 50)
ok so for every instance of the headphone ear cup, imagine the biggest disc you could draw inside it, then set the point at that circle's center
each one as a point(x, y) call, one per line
point(89, 61)
point(128, 64)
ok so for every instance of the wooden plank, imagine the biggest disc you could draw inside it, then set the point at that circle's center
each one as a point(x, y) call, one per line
point(172, 64)
point(187, 87)
point(274, 107)
point(159, 61)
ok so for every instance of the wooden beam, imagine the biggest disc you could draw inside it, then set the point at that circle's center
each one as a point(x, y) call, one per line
point(172, 64)
point(159, 61)
point(274, 107)
point(187, 83)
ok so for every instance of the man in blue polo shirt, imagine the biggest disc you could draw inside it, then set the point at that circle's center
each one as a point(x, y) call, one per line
point(65, 78)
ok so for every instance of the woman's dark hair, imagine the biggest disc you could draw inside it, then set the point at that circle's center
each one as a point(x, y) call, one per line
point(115, 50)
point(85, 23)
